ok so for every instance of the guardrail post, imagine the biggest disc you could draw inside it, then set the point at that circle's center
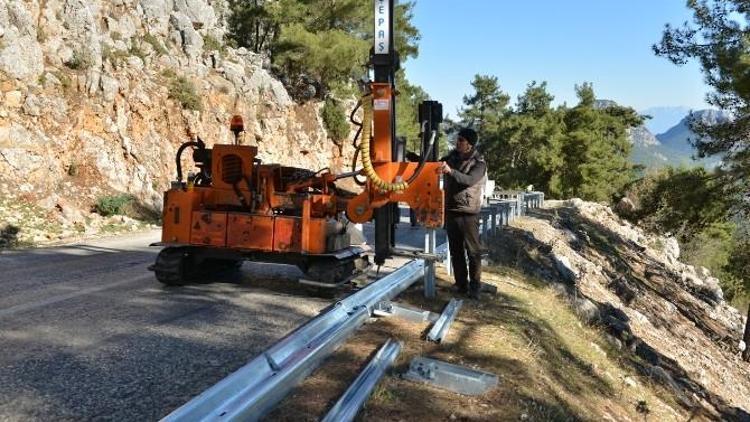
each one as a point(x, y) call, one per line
point(493, 211)
point(430, 240)
point(484, 222)
point(447, 262)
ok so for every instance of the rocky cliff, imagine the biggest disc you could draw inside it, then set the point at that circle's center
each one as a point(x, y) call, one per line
point(670, 318)
point(96, 96)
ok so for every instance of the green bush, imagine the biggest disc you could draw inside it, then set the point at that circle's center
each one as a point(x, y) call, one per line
point(64, 79)
point(183, 91)
point(679, 202)
point(9, 236)
point(80, 61)
point(694, 206)
point(135, 50)
point(212, 44)
point(116, 57)
point(335, 120)
point(113, 204)
point(156, 44)
point(41, 35)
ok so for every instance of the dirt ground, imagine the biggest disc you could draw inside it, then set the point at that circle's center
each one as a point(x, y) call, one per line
point(550, 365)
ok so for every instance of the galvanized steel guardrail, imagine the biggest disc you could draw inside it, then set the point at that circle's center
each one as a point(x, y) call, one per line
point(441, 326)
point(500, 209)
point(253, 390)
point(347, 407)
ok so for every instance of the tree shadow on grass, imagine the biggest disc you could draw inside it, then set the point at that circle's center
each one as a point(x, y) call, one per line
point(522, 389)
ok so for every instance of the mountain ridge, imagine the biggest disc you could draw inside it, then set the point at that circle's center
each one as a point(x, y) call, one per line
point(673, 145)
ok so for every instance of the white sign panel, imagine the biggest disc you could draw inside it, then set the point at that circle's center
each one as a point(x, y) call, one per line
point(382, 27)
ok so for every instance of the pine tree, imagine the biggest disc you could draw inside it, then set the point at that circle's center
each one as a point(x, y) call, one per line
point(595, 149)
point(486, 107)
point(407, 112)
point(526, 148)
point(325, 40)
point(719, 39)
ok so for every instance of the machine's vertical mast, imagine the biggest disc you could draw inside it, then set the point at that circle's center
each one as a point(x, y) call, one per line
point(385, 63)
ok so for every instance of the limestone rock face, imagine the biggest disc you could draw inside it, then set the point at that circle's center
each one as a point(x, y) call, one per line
point(631, 284)
point(88, 104)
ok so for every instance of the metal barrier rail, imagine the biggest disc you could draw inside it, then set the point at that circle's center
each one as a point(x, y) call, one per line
point(501, 209)
point(253, 390)
point(347, 407)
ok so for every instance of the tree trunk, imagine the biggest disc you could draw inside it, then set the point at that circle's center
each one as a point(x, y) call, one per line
point(746, 353)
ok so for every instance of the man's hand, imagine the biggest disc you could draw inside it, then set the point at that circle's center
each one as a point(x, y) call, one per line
point(445, 168)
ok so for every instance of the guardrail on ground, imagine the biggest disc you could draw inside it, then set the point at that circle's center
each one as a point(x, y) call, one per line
point(253, 390)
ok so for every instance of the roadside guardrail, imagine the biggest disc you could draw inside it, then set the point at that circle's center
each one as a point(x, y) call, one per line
point(254, 389)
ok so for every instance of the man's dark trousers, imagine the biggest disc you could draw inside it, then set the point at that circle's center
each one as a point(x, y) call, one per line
point(463, 239)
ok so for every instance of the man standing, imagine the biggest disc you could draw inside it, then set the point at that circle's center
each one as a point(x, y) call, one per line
point(465, 171)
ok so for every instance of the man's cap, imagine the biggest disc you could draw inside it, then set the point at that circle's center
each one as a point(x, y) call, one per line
point(469, 134)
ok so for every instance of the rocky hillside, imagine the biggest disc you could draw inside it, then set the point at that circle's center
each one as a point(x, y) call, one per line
point(96, 96)
point(673, 147)
point(669, 318)
point(677, 139)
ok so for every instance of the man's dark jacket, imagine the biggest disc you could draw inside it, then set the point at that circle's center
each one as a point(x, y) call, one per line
point(463, 186)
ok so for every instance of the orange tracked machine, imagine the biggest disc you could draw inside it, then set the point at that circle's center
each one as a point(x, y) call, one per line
point(235, 208)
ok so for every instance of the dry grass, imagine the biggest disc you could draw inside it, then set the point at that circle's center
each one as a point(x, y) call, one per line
point(551, 367)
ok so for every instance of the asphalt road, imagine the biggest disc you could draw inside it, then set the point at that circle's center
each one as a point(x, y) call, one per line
point(87, 333)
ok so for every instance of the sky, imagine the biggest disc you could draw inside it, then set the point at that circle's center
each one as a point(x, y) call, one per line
point(563, 42)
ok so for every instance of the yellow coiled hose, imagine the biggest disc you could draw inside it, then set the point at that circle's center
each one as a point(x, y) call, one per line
point(364, 147)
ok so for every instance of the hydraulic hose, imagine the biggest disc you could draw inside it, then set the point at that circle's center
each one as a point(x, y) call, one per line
point(420, 166)
point(199, 143)
point(369, 171)
point(354, 142)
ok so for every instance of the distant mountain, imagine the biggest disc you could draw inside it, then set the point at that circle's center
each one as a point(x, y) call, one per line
point(673, 146)
point(601, 104)
point(642, 136)
point(646, 148)
point(664, 118)
point(645, 145)
point(677, 138)
point(639, 135)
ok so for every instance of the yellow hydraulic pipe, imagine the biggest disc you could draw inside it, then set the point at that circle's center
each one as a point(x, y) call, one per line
point(365, 152)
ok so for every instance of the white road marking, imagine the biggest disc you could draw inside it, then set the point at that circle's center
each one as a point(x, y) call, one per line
point(55, 299)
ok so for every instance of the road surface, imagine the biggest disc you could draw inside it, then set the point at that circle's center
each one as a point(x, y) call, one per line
point(88, 334)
